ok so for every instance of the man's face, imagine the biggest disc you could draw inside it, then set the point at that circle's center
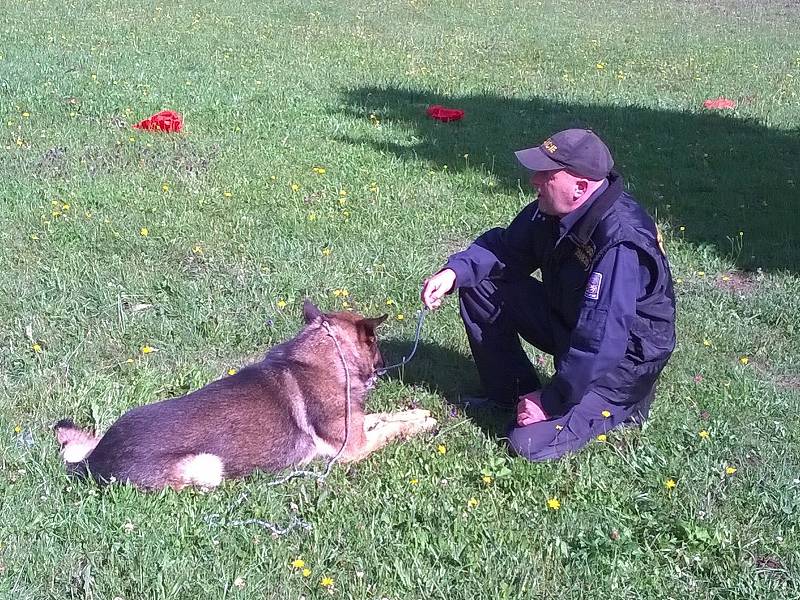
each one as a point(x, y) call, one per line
point(558, 191)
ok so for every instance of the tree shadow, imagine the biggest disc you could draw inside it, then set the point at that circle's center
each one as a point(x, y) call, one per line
point(709, 175)
point(446, 372)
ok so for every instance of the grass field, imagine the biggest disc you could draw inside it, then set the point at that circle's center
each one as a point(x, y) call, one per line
point(308, 169)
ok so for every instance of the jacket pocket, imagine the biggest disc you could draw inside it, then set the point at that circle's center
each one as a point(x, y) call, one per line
point(590, 329)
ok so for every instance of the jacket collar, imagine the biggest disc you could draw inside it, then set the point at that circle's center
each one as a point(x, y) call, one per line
point(582, 226)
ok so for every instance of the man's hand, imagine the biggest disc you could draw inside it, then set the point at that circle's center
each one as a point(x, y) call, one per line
point(436, 286)
point(529, 409)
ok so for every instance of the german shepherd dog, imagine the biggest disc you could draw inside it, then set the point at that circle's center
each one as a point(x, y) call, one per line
point(286, 410)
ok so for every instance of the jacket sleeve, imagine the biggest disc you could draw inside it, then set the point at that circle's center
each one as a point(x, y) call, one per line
point(600, 338)
point(501, 252)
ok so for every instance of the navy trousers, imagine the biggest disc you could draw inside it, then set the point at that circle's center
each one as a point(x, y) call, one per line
point(496, 314)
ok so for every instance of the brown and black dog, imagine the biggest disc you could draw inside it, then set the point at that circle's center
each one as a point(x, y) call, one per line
point(286, 410)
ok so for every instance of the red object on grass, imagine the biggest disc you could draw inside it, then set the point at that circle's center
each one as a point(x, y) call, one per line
point(440, 113)
point(719, 103)
point(166, 120)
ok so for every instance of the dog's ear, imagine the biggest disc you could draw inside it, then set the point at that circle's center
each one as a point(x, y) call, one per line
point(310, 311)
point(373, 323)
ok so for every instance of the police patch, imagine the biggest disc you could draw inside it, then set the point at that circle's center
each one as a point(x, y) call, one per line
point(593, 287)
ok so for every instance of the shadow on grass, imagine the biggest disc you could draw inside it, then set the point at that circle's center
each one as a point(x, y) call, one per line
point(447, 373)
point(712, 173)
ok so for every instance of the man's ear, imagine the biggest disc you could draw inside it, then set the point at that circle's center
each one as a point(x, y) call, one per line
point(310, 311)
point(581, 185)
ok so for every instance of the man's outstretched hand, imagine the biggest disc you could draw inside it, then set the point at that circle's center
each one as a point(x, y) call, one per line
point(436, 286)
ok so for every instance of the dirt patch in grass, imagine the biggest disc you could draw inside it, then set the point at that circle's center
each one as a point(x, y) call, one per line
point(788, 382)
point(738, 283)
point(53, 164)
point(182, 159)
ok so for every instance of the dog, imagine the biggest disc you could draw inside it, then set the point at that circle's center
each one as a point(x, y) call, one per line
point(286, 410)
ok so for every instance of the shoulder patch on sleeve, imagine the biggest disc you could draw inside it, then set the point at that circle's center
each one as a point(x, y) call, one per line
point(593, 286)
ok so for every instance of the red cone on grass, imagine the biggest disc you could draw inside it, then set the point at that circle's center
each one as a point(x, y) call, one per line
point(166, 120)
point(440, 113)
point(719, 103)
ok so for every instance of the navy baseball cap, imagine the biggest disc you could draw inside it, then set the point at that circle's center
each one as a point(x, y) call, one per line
point(579, 151)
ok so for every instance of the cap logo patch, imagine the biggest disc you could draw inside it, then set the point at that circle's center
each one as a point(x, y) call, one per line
point(549, 146)
point(593, 287)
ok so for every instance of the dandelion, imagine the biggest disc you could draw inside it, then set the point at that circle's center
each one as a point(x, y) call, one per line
point(326, 251)
point(319, 170)
point(373, 187)
point(605, 414)
point(198, 249)
point(312, 216)
point(701, 273)
point(37, 348)
point(26, 114)
point(744, 360)
point(295, 187)
point(341, 293)
point(227, 194)
point(706, 342)
point(600, 66)
point(146, 349)
point(400, 317)
point(730, 470)
point(390, 302)
point(298, 563)
point(726, 278)
point(487, 479)
point(473, 502)
point(17, 429)
point(326, 582)
point(306, 572)
point(342, 201)
point(441, 449)
point(414, 481)
point(602, 437)
point(164, 187)
point(144, 232)
point(342, 193)
point(232, 371)
point(553, 504)
point(345, 304)
point(679, 280)
point(281, 303)
point(670, 484)
point(704, 434)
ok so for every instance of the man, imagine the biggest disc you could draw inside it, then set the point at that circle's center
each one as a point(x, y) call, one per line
point(604, 308)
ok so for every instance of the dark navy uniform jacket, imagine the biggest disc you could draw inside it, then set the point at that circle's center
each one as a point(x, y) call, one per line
point(610, 300)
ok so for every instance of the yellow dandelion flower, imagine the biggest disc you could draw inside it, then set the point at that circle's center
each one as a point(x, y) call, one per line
point(704, 434)
point(326, 582)
point(670, 484)
point(414, 481)
point(65, 207)
point(744, 360)
point(342, 201)
point(17, 429)
point(232, 371)
point(400, 317)
point(164, 187)
point(730, 470)
point(343, 192)
point(606, 414)
point(281, 303)
point(706, 342)
point(306, 572)
point(198, 249)
point(144, 232)
point(298, 563)
point(345, 304)
point(319, 170)
point(554, 504)
point(487, 479)
point(701, 273)
point(390, 302)
point(295, 187)
point(227, 194)
point(679, 280)
point(326, 251)
point(146, 349)
point(602, 437)
point(341, 293)
point(37, 348)
point(312, 216)
point(441, 449)
point(600, 66)
point(473, 502)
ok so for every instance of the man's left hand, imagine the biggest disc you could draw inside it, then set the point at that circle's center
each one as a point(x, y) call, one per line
point(529, 409)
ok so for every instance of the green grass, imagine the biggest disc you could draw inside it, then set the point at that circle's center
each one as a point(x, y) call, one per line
point(270, 90)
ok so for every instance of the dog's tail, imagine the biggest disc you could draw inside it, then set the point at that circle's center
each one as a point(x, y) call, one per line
point(76, 444)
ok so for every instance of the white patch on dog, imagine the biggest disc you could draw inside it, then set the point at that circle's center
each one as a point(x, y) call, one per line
point(75, 452)
point(321, 447)
point(204, 470)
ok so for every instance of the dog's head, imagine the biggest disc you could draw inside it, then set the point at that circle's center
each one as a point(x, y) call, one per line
point(356, 336)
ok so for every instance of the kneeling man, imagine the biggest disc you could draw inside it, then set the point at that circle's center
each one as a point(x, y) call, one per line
point(604, 307)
